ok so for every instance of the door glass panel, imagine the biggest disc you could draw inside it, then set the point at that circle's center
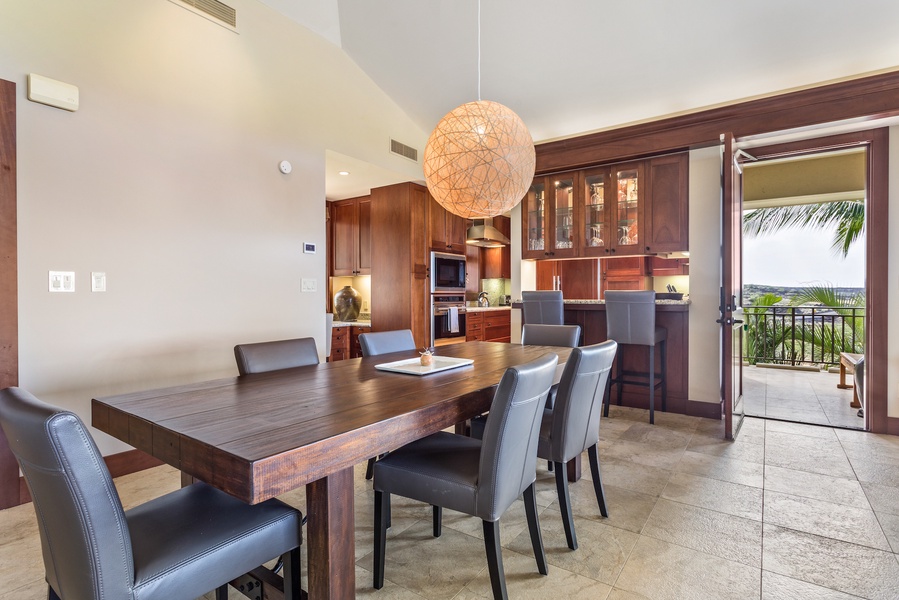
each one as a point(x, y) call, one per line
point(628, 202)
point(594, 233)
point(564, 207)
point(536, 229)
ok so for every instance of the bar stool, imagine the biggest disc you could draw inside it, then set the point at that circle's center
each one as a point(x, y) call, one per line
point(542, 308)
point(631, 319)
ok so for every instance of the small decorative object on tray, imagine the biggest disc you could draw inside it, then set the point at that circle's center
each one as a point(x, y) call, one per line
point(414, 366)
point(426, 357)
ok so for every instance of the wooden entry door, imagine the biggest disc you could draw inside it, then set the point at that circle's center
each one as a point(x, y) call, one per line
point(9, 314)
point(731, 296)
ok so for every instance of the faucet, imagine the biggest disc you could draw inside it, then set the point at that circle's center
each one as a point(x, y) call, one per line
point(483, 300)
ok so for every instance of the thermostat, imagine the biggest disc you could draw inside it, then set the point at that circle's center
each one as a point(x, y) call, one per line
point(308, 248)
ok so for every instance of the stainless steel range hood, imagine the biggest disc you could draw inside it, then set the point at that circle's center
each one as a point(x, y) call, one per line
point(485, 235)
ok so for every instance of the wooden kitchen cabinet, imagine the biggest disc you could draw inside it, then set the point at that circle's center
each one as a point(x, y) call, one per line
point(497, 262)
point(488, 326)
point(577, 279)
point(345, 342)
point(351, 236)
point(549, 222)
point(666, 267)
point(624, 273)
point(446, 230)
point(625, 209)
point(667, 209)
point(400, 288)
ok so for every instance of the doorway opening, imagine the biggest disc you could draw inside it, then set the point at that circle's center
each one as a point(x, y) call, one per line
point(804, 280)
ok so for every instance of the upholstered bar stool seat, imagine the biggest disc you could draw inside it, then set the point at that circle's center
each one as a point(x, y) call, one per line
point(631, 320)
point(543, 307)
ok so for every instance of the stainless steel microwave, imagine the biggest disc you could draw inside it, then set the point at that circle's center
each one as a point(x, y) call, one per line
point(447, 272)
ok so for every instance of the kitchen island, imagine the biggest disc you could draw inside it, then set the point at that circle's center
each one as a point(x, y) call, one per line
point(670, 314)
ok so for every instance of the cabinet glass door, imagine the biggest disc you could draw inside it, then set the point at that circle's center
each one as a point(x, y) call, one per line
point(595, 227)
point(627, 210)
point(536, 221)
point(564, 231)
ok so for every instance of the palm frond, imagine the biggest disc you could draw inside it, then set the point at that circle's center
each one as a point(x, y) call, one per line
point(846, 216)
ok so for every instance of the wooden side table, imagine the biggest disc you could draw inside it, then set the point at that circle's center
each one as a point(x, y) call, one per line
point(848, 360)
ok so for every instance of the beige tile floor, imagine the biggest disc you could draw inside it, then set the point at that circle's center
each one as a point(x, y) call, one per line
point(799, 396)
point(788, 511)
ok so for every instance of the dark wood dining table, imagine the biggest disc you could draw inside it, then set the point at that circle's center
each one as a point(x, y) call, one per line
point(259, 436)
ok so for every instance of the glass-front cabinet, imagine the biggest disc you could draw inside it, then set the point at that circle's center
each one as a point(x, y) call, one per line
point(595, 220)
point(549, 218)
point(627, 212)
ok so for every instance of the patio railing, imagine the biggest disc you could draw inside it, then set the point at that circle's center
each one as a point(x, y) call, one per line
point(802, 335)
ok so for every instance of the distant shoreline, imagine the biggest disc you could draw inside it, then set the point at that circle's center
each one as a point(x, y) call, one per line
point(753, 290)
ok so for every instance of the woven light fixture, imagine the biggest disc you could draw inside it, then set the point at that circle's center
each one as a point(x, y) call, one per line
point(480, 159)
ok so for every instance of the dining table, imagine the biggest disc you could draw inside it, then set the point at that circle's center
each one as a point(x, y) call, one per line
point(259, 436)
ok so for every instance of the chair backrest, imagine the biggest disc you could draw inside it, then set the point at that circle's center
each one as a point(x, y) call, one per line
point(550, 335)
point(631, 316)
point(263, 357)
point(329, 325)
point(579, 398)
point(84, 535)
point(385, 342)
point(542, 307)
point(509, 448)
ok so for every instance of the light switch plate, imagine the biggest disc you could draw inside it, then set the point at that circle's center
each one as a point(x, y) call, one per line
point(98, 281)
point(308, 285)
point(62, 281)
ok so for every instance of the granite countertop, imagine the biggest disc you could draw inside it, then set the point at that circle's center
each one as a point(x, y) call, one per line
point(351, 323)
point(486, 308)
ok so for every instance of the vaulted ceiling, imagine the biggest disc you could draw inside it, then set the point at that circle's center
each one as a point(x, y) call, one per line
point(573, 66)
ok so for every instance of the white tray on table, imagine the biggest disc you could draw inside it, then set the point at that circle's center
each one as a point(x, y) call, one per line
point(413, 366)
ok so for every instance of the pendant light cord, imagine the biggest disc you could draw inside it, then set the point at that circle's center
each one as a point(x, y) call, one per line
point(479, 50)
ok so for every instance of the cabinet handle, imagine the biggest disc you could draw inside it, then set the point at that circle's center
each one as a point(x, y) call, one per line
point(613, 250)
point(647, 248)
point(607, 250)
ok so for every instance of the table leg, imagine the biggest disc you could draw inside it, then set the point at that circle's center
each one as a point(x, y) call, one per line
point(574, 469)
point(330, 537)
point(842, 385)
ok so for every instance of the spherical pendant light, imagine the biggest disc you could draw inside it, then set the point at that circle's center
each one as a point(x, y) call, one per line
point(479, 160)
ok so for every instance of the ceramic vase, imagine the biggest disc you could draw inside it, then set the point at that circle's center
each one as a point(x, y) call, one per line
point(347, 303)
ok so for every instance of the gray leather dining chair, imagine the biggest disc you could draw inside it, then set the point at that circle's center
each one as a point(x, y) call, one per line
point(543, 307)
point(180, 545)
point(631, 319)
point(567, 336)
point(475, 477)
point(860, 385)
point(384, 342)
point(263, 357)
point(572, 425)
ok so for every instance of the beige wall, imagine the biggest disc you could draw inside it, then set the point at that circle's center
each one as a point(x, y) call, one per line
point(705, 274)
point(167, 180)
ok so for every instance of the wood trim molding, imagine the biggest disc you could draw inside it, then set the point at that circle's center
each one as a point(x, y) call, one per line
point(123, 463)
point(871, 97)
point(708, 410)
point(9, 315)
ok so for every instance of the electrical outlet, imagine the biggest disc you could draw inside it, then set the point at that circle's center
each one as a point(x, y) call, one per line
point(308, 285)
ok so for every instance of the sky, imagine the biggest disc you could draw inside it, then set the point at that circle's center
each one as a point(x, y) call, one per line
point(797, 257)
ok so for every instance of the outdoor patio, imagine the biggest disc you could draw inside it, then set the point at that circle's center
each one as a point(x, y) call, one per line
point(799, 396)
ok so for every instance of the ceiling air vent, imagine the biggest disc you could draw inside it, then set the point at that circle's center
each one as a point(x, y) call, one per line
point(213, 10)
point(403, 150)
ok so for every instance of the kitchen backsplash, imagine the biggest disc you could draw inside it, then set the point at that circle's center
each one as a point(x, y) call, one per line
point(496, 288)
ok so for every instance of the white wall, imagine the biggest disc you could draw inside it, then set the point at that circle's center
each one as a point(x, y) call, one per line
point(166, 179)
point(705, 274)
